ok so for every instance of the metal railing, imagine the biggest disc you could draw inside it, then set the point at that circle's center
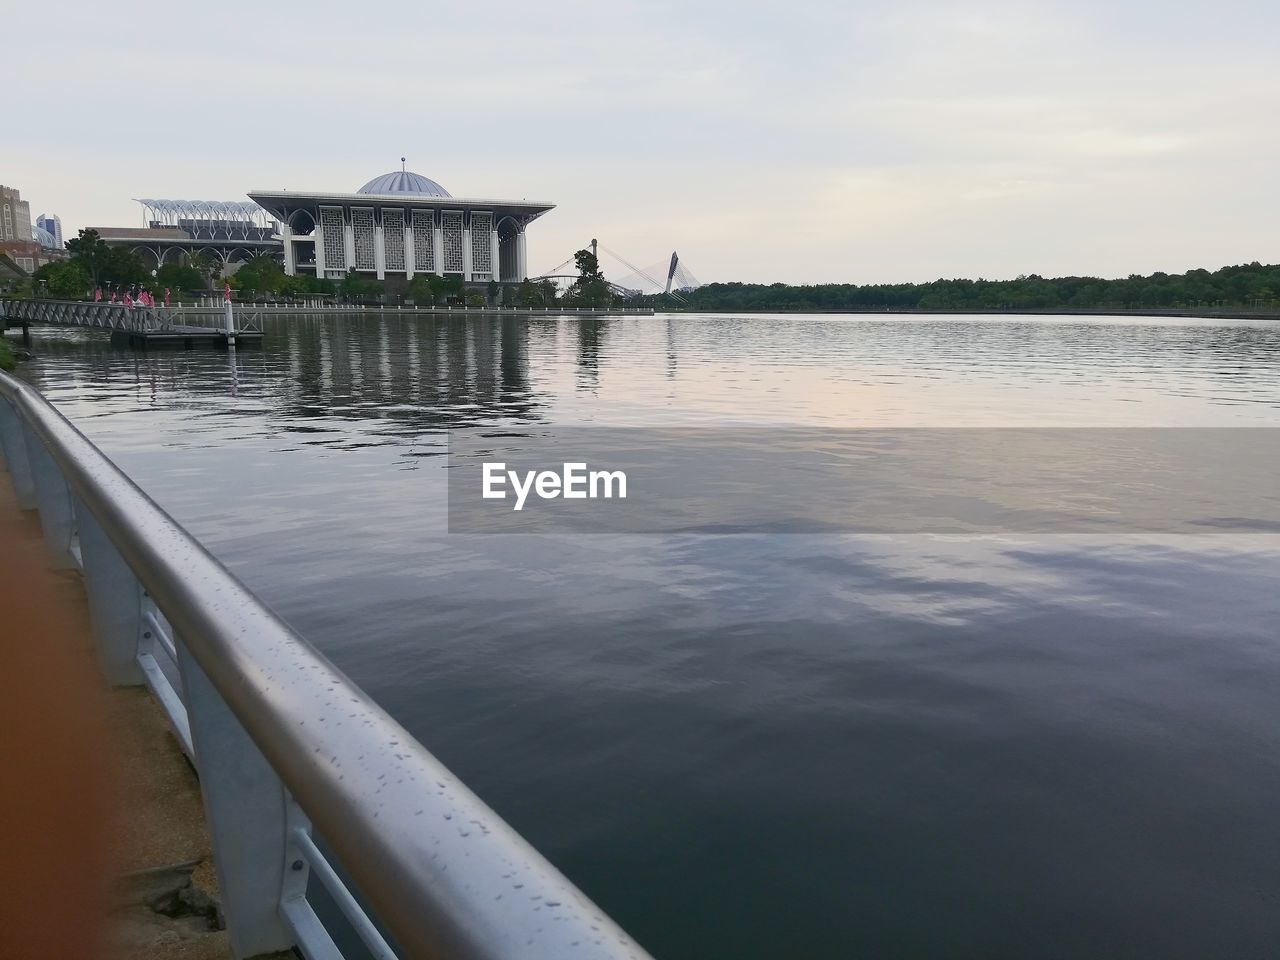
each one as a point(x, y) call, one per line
point(284, 743)
point(214, 318)
point(84, 313)
point(305, 306)
point(135, 319)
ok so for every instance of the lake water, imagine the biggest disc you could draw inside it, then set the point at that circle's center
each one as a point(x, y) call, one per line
point(760, 746)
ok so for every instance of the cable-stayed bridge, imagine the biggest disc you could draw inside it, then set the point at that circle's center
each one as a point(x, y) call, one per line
point(669, 276)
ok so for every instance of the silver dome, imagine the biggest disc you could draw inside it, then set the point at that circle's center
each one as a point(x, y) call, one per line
point(404, 181)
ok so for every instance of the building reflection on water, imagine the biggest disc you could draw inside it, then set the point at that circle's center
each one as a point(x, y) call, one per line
point(409, 374)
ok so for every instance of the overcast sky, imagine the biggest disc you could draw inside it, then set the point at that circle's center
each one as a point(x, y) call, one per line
point(803, 141)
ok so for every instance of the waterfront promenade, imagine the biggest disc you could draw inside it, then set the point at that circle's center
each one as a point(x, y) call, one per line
point(107, 852)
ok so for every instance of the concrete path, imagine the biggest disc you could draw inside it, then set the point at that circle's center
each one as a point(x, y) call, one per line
point(103, 848)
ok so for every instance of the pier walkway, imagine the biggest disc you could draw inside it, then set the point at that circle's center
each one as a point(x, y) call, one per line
point(139, 325)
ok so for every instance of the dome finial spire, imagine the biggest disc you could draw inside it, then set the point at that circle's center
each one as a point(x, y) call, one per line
point(402, 164)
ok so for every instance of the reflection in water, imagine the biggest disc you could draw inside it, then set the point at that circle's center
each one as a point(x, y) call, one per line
point(762, 746)
point(436, 373)
point(416, 375)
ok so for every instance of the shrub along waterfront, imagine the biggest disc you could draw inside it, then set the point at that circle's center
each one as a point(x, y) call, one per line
point(263, 276)
point(95, 264)
point(1247, 285)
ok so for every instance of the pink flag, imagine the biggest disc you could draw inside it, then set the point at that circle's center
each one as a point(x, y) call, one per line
point(166, 296)
point(128, 302)
point(97, 294)
point(226, 292)
point(113, 296)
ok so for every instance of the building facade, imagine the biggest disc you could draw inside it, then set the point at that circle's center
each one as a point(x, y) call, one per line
point(15, 215)
point(398, 225)
point(30, 248)
point(52, 223)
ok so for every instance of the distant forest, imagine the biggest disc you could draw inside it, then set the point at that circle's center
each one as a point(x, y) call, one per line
point(1251, 285)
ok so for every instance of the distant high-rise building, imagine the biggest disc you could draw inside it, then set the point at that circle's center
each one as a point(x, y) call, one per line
point(53, 223)
point(15, 215)
point(18, 240)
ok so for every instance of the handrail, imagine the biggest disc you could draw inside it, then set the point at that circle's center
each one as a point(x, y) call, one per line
point(440, 871)
point(83, 313)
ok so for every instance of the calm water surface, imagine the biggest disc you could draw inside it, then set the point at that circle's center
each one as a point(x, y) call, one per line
point(768, 746)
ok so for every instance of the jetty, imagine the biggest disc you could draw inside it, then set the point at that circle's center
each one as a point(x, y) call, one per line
point(304, 781)
point(141, 326)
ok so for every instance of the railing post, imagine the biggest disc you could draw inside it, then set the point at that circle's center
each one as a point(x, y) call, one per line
point(15, 456)
point(115, 602)
point(247, 812)
point(53, 497)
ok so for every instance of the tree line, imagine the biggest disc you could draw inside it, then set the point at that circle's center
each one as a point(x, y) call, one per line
point(95, 264)
point(1251, 284)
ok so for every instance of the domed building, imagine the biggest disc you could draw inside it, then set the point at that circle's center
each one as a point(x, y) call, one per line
point(400, 224)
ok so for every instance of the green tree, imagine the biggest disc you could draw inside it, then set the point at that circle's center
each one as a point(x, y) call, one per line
point(125, 268)
point(206, 264)
point(354, 285)
point(590, 289)
point(528, 294)
point(92, 253)
point(294, 286)
point(588, 265)
point(64, 279)
point(426, 288)
point(178, 278)
point(452, 289)
point(259, 274)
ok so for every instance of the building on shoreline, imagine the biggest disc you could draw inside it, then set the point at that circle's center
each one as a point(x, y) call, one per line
point(398, 225)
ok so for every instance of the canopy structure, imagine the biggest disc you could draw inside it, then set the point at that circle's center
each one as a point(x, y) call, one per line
point(210, 219)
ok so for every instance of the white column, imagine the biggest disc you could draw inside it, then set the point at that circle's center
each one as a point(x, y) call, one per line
point(348, 242)
point(522, 265)
point(439, 242)
point(410, 251)
point(290, 255)
point(319, 235)
point(466, 247)
point(379, 251)
point(493, 254)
